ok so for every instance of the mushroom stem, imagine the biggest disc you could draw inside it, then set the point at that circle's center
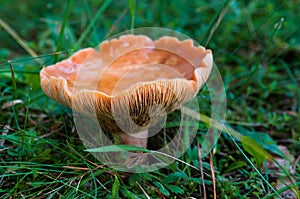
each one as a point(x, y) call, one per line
point(137, 139)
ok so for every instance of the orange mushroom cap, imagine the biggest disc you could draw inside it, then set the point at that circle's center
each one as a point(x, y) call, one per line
point(127, 77)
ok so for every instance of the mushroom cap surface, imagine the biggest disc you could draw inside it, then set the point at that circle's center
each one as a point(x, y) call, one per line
point(130, 82)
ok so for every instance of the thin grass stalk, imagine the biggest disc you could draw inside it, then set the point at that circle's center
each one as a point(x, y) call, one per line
point(62, 30)
point(92, 24)
point(201, 170)
point(14, 89)
point(132, 12)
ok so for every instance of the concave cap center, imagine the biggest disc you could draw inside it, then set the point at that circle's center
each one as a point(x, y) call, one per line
point(137, 66)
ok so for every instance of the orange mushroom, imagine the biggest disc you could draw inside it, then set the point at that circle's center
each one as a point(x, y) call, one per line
point(129, 83)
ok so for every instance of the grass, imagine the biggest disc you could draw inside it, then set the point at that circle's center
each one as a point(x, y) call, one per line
point(256, 47)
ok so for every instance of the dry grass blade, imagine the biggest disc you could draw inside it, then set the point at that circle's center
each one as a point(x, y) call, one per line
point(76, 168)
point(4, 133)
point(11, 103)
point(213, 174)
point(115, 25)
point(218, 21)
point(18, 38)
point(144, 192)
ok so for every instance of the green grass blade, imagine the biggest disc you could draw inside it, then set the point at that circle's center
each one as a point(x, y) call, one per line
point(27, 107)
point(62, 30)
point(132, 12)
point(14, 97)
point(90, 170)
point(21, 71)
point(115, 187)
point(118, 148)
point(92, 24)
point(253, 166)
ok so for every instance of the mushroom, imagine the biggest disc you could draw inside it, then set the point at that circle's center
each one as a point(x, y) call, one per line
point(129, 83)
